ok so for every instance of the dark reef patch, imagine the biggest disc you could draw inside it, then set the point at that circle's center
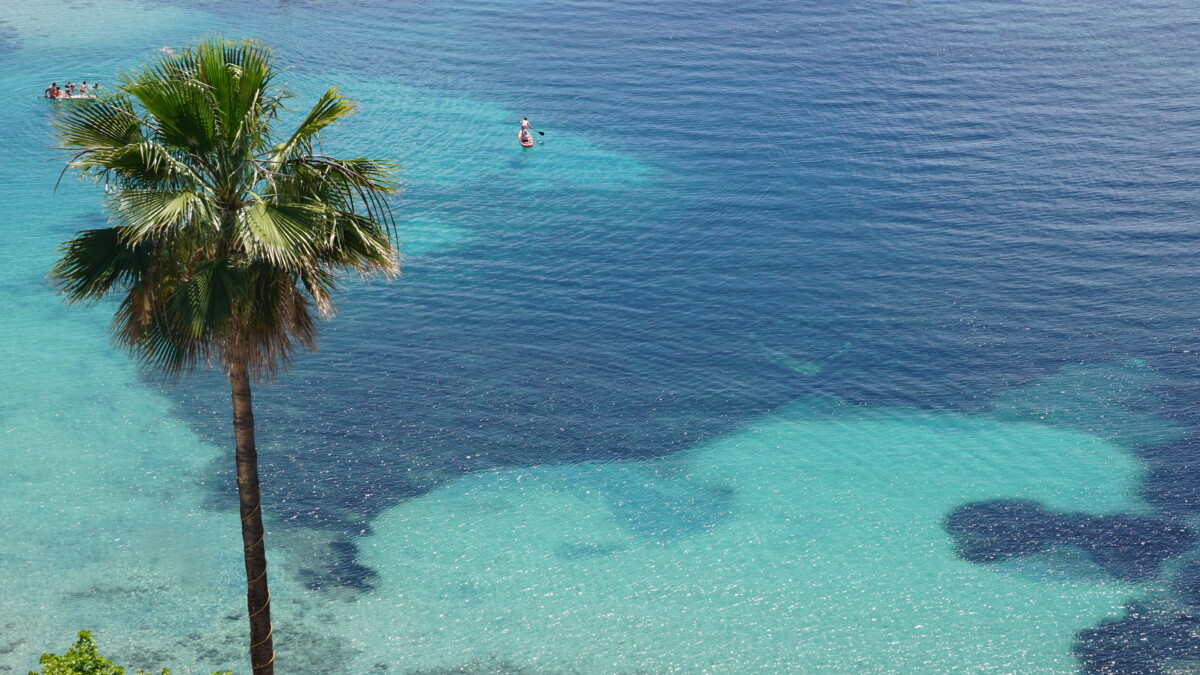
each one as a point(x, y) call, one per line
point(1128, 548)
point(666, 510)
point(1140, 643)
point(999, 529)
point(587, 550)
point(9, 39)
point(1175, 490)
point(492, 666)
point(340, 568)
point(1186, 583)
point(1173, 483)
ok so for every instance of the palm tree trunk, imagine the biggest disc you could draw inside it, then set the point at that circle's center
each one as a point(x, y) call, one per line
point(258, 597)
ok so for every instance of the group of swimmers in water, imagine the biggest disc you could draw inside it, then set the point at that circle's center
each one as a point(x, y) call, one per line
point(83, 90)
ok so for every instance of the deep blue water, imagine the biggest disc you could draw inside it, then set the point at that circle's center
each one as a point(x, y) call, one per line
point(900, 204)
point(946, 200)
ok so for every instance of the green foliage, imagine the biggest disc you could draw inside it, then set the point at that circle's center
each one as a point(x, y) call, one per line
point(83, 658)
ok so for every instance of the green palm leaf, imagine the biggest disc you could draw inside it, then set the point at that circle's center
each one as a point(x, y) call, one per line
point(202, 304)
point(150, 213)
point(98, 123)
point(285, 234)
point(330, 108)
point(96, 262)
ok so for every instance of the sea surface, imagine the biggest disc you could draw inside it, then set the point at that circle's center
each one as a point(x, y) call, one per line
point(811, 337)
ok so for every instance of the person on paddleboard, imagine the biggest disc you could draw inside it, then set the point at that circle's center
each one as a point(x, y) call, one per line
point(523, 135)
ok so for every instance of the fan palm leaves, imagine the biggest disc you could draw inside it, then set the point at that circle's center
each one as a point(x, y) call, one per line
point(226, 239)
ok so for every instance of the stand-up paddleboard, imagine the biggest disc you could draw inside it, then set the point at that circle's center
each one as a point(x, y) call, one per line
point(525, 139)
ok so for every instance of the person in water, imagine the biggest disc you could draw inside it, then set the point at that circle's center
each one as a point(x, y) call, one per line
point(70, 89)
point(52, 90)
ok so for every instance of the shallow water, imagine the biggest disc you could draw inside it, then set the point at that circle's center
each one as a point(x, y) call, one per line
point(693, 385)
point(804, 542)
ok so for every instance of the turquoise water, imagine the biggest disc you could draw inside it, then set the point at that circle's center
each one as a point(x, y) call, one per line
point(825, 552)
point(724, 375)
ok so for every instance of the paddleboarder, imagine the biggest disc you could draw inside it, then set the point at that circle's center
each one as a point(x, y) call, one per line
point(523, 136)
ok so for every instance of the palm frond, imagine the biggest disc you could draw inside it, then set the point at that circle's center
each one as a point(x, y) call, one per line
point(321, 284)
point(360, 243)
point(108, 122)
point(96, 262)
point(357, 185)
point(150, 213)
point(285, 234)
point(156, 342)
point(330, 108)
point(143, 165)
point(239, 76)
point(201, 306)
point(182, 113)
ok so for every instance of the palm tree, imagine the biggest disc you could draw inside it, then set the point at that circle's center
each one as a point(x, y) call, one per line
point(226, 239)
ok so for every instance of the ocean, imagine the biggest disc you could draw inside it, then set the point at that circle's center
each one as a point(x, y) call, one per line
point(853, 337)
